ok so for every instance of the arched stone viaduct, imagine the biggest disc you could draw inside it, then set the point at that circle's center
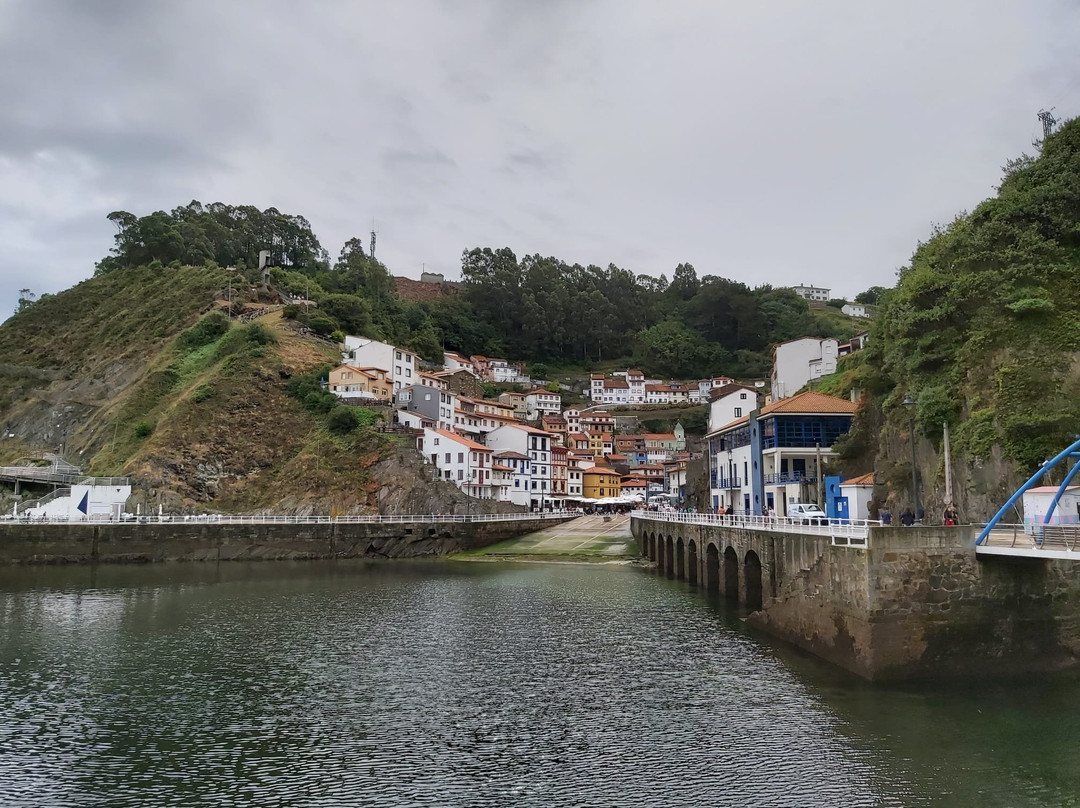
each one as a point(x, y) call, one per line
point(911, 603)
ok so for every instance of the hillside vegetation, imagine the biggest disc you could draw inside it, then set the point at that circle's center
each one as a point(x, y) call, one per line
point(533, 309)
point(139, 371)
point(982, 331)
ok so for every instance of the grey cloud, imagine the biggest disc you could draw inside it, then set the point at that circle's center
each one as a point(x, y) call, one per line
point(426, 158)
point(774, 142)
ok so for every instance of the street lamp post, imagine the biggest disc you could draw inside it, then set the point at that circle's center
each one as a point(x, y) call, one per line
point(909, 403)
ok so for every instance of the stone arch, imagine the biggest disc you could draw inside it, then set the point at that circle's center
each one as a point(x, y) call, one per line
point(752, 580)
point(691, 562)
point(731, 574)
point(680, 559)
point(652, 547)
point(669, 557)
point(712, 568)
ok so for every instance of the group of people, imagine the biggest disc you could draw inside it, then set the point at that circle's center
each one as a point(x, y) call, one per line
point(950, 516)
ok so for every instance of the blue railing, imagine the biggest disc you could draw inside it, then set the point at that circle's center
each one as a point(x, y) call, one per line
point(728, 482)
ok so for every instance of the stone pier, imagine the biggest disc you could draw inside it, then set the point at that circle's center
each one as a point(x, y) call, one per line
point(111, 542)
point(913, 603)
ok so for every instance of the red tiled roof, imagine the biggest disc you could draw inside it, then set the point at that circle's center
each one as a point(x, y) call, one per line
point(513, 455)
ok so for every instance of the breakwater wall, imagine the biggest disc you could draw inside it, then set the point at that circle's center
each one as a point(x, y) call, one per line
point(912, 603)
point(109, 542)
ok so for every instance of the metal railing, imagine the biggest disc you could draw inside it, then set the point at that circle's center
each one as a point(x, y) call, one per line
point(104, 481)
point(789, 478)
point(843, 532)
point(229, 519)
point(1038, 536)
point(37, 503)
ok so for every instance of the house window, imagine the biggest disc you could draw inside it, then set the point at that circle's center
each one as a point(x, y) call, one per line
point(738, 412)
point(448, 457)
point(461, 457)
point(742, 396)
point(408, 371)
point(436, 441)
point(399, 356)
point(460, 474)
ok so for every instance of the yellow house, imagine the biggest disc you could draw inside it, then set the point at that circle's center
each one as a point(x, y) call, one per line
point(349, 382)
point(599, 482)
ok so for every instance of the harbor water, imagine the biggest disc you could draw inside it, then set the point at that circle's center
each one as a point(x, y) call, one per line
point(476, 684)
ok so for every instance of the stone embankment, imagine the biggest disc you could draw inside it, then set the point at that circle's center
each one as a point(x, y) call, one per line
point(912, 603)
point(110, 542)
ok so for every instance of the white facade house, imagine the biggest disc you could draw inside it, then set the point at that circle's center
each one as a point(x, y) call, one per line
point(572, 416)
point(797, 362)
point(635, 382)
point(815, 293)
point(542, 402)
point(460, 461)
point(856, 310)
point(729, 404)
point(454, 361)
point(364, 352)
point(534, 444)
point(858, 491)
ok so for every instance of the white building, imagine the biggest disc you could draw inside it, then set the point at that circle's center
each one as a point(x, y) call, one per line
point(455, 361)
point(635, 382)
point(364, 352)
point(815, 293)
point(858, 491)
point(90, 499)
point(797, 362)
point(460, 461)
point(857, 310)
point(770, 457)
point(730, 403)
point(572, 416)
point(535, 444)
point(542, 402)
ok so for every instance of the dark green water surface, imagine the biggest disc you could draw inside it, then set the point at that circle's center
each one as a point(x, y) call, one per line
point(475, 684)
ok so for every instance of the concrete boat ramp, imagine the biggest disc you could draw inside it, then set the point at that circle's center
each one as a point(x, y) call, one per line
point(585, 538)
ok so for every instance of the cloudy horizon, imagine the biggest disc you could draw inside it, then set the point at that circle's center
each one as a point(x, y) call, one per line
point(776, 143)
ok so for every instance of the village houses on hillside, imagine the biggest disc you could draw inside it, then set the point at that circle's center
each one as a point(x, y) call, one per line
point(528, 449)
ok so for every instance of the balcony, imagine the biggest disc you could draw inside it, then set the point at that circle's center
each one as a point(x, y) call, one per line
point(790, 478)
point(727, 482)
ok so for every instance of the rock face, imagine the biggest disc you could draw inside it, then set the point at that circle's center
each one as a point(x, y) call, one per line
point(404, 485)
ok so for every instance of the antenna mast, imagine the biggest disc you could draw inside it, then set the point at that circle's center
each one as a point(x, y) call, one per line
point(1048, 121)
point(372, 240)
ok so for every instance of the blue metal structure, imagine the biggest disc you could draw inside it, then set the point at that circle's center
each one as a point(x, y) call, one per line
point(1074, 452)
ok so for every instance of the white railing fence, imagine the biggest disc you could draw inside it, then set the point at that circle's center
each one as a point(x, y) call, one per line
point(843, 532)
point(228, 519)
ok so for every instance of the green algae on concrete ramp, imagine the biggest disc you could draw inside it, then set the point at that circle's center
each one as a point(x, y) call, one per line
point(587, 537)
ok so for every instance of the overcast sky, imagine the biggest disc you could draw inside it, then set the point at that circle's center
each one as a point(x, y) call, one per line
point(771, 142)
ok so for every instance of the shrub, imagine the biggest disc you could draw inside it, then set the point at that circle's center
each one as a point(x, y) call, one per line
point(202, 393)
point(143, 429)
point(342, 420)
point(836, 303)
point(291, 311)
point(209, 329)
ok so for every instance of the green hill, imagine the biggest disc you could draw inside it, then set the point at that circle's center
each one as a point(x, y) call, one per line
point(982, 331)
point(138, 371)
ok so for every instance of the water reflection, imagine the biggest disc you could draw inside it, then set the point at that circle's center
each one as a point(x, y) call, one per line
point(355, 683)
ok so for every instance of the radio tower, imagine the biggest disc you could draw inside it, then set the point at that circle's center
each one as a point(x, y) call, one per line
point(372, 240)
point(1048, 121)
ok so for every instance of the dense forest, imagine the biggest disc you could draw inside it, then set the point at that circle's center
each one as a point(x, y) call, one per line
point(533, 309)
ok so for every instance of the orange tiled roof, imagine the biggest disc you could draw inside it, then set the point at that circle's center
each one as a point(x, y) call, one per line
point(454, 436)
point(865, 479)
point(812, 403)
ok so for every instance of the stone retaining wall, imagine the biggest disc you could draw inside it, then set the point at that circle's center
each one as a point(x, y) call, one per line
point(915, 603)
point(183, 541)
